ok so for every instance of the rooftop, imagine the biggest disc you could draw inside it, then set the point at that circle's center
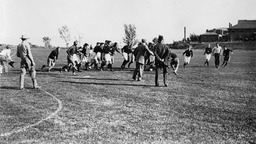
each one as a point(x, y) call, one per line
point(210, 33)
point(245, 24)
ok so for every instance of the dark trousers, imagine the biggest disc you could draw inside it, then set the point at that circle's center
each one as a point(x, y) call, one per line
point(138, 70)
point(217, 59)
point(225, 62)
point(164, 75)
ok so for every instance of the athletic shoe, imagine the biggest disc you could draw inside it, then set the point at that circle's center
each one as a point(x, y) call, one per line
point(43, 67)
point(37, 87)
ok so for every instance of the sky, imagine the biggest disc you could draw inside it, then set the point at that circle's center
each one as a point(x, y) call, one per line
point(100, 20)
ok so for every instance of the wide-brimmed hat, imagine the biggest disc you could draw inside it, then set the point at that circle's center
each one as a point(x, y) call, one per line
point(24, 37)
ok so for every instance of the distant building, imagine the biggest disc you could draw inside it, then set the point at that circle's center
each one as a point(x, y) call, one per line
point(244, 30)
point(209, 37)
point(216, 34)
point(220, 31)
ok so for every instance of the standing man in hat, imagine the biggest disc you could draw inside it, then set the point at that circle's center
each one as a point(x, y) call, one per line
point(217, 51)
point(27, 62)
point(161, 59)
point(5, 56)
point(139, 54)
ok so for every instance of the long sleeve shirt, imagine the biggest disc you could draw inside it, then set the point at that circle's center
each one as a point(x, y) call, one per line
point(54, 54)
point(227, 52)
point(106, 49)
point(97, 49)
point(6, 53)
point(127, 49)
point(208, 50)
point(24, 51)
point(188, 53)
point(161, 53)
point(140, 52)
point(72, 50)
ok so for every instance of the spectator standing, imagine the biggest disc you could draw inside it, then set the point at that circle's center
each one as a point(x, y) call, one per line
point(161, 59)
point(139, 54)
point(27, 62)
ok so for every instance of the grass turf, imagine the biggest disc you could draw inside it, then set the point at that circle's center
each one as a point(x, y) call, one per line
point(200, 105)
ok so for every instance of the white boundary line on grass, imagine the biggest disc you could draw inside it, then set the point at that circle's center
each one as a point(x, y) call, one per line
point(60, 105)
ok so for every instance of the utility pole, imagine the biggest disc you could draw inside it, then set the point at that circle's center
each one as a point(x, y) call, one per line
point(185, 37)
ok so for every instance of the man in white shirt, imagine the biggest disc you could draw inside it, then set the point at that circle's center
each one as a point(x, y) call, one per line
point(217, 51)
point(5, 57)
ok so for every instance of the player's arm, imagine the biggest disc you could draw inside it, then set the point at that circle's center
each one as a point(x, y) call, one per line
point(18, 52)
point(178, 63)
point(29, 55)
point(157, 56)
point(117, 49)
point(9, 55)
point(57, 56)
point(184, 52)
point(149, 50)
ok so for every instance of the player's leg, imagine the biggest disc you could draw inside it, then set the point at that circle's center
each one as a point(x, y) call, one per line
point(22, 77)
point(156, 75)
point(165, 76)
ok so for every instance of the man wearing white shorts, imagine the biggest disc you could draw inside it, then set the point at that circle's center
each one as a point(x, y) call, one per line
point(98, 50)
point(127, 55)
point(188, 54)
point(107, 58)
point(208, 54)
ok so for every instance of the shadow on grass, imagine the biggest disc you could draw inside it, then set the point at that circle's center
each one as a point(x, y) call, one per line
point(9, 87)
point(117, 84)
point(13, 88)
point(91, 78)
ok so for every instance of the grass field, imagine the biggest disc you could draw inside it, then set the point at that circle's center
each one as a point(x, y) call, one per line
point(200, 105)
